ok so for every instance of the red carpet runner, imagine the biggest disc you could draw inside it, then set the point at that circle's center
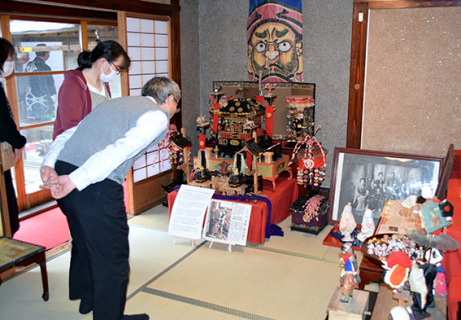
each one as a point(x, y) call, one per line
point(48, 229)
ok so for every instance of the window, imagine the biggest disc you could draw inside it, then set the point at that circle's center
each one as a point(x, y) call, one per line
point(44, 52)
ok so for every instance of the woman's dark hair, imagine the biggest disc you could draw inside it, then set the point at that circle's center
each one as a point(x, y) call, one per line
point(6, 50)
point(110, 50)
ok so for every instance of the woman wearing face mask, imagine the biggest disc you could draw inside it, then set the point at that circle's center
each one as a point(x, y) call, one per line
point(87, 86)
point(8, 129)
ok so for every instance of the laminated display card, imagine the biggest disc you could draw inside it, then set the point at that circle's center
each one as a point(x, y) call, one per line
point(227, 222)
point(188, 212)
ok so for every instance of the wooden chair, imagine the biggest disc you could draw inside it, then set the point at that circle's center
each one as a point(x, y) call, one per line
point(15, 253)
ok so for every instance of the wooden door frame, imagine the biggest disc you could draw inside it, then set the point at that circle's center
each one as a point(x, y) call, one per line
point(360, 15)
point(96, 11)
point(148, 192)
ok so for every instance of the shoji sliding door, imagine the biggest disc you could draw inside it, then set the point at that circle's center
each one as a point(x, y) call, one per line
point(147, 40)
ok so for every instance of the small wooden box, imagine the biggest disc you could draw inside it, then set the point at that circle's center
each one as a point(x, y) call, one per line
point(354, 309)
point(316, 225)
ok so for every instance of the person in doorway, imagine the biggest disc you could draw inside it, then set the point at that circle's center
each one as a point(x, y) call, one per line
point(22, 83)
point(8, 130)
point(87, 86)
point(86, 175)
point(41, 97)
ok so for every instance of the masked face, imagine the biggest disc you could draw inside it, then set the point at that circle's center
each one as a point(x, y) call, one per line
point(8, 68)
point(108, 77)
point(273, 51)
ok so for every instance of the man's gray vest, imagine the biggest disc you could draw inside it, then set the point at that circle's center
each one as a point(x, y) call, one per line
point(103, 126)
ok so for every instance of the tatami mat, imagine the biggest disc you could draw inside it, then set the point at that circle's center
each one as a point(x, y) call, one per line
point(290, 277)
point(254, 281)
point(156, 217)
point(171, 309)
point(152, 251)
point(21, 296)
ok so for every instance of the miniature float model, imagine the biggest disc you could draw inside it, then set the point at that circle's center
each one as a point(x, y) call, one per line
point(237, 119)
point(237, 131)
point(180, 153)
point(300, 117)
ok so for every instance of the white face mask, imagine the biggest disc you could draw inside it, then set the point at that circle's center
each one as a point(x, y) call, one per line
point(108, 77)
point(8, 68)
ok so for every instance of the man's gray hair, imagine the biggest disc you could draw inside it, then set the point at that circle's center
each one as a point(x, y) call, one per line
point(160, 88)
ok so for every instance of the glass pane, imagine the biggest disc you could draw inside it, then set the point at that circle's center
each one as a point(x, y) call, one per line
point(38, 142)
point(37, 98)
point(103, 33)
point(51, 46)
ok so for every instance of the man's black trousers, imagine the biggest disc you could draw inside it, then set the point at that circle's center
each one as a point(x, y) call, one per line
point(99, 267)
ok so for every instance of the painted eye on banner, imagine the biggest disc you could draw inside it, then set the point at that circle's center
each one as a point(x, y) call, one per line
point(284, 46)
point(260, 47)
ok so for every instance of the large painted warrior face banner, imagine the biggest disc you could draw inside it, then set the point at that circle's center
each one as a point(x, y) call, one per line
point(275, 47)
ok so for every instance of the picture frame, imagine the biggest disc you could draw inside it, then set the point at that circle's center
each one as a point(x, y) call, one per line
point(280, 90)
point(367, 179)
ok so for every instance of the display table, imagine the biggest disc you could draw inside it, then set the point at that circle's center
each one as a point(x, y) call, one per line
point(386, 301)
point(18, 253)
point(369, 272)
point(354, 309)
point(281, 199)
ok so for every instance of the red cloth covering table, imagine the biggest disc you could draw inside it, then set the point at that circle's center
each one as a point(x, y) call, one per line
point(281, 199)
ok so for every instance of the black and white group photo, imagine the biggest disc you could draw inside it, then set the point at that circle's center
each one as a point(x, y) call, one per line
point(368, 182)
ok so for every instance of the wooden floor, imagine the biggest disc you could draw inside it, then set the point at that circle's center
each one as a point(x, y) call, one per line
point(385, 302)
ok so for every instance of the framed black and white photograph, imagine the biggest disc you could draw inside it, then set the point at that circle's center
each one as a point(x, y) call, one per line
point(367, 179)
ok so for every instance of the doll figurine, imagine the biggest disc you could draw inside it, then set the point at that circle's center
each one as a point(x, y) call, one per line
point(347, 223)
point(349, 274)
point(368, 225)
point(424, 300)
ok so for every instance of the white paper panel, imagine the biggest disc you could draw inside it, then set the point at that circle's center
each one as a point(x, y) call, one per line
point(148, 67)
point(161, 40)
point(135, 92)
point(134, 53)
point(132, 24)
point(136, 81)
point(162, 66)
point(139, 175)
point(147, 26)
point(166, 165)
point(152, 157)
point(160, 27)
point(148, 53)
point(133, 39)
point(153, 170)
point(161, 53)
point(147, 77)
point(165, 153)
point(139, 163)
point(147, 40)
point(135, 67)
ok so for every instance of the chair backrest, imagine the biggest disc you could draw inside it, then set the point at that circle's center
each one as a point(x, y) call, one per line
point(4, 216)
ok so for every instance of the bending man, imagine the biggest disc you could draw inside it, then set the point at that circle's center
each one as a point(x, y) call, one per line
point(84, 169)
